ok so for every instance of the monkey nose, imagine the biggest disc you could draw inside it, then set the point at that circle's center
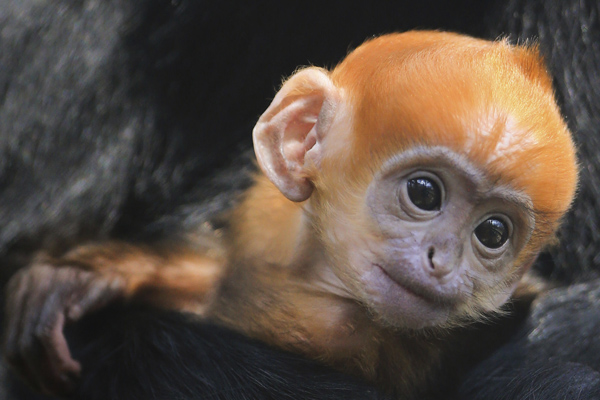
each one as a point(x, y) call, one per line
point(438, 263)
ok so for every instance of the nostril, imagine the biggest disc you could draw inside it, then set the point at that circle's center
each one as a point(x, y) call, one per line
point(430, 254)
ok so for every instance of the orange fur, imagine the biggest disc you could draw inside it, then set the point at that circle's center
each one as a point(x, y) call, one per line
point(177, 278)
point(432, 88)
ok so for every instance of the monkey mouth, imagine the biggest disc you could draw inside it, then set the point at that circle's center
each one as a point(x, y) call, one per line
point(402, 285)
point(402, 304)
point(420, 291)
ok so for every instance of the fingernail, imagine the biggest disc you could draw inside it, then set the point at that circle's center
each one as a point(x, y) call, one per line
point(74, 312)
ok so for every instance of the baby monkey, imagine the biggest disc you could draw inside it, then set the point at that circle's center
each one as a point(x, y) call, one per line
point(402, 194)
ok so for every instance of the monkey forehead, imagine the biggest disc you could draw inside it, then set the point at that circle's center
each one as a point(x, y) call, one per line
point(491, 101)
point(457, 165)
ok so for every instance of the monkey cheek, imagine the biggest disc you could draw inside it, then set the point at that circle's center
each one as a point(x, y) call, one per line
point(398, 306)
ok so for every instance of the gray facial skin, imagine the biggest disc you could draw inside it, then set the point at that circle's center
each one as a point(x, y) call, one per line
point(431, 261)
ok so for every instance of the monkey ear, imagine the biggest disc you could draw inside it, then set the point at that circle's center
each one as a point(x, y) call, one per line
point(288, 135)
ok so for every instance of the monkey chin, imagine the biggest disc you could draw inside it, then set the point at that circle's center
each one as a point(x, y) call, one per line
point(396, 305)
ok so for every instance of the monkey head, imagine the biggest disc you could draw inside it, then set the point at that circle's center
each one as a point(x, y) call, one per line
point(433, 168)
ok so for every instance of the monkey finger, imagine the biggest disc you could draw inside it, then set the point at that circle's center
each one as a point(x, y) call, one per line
point(20, 353)
point(59, 370)
point(96, 294)
point(24, 302)
point(49, 332)
point(17, 292)
point(42, 345)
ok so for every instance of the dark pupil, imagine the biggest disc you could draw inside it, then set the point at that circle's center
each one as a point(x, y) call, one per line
point(492, 233)
point(424, 193)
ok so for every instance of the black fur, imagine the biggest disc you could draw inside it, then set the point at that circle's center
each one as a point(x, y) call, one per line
point(555, 355)
point(125, 119)
point(156, 355)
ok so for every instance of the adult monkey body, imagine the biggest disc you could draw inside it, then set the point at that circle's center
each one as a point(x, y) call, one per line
point(409, 159)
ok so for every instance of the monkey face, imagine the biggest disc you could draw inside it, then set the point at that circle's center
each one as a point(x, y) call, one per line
point(439, 243)
point(421, 159)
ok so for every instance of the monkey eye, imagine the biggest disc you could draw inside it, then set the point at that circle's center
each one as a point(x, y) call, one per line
point(424, 193)
point(492, 233)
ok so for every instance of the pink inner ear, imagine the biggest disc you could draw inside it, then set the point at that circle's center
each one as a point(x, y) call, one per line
point(295, 150)
point(299, 135)
point(311, 139)
point(294, 155)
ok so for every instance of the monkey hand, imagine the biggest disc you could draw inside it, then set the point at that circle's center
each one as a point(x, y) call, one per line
point(40, 300)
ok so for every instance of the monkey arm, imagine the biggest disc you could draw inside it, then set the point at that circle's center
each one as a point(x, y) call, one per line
point(171, 277)
point(52, 292)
